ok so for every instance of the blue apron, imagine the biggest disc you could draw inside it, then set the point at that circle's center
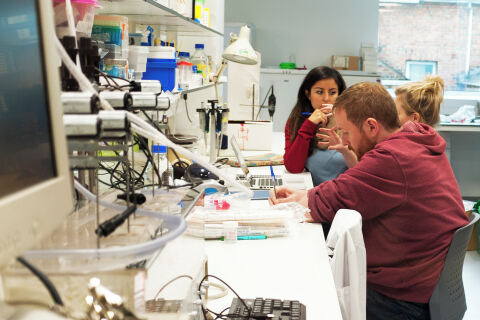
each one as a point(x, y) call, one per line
point(325, 165)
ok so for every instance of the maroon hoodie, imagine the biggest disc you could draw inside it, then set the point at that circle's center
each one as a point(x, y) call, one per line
point(410, 202)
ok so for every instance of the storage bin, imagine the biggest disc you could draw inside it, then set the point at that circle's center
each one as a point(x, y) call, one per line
point(108, 28)
point(115, 67)
point(162, 70)
point(114, 51)
point(107, 34)
point(83, 15)
point(161, 53)
point(137, 58)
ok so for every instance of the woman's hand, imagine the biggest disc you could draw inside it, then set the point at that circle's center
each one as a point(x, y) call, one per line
point(318, 117)
point(327, 109)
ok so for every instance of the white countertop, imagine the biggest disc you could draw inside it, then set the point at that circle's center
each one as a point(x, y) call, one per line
point(294, 268)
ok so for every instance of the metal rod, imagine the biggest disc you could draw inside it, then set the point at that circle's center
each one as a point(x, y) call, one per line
point(253, 102)
point(127, 181)
point(97, 211)
point(133, 170)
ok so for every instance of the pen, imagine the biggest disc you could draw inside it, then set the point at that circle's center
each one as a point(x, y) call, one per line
point(306, 113)
point(253, 237)
point(274, 181)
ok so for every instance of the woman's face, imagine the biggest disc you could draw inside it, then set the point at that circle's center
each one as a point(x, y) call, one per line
point(323, 92)
point(402, 114)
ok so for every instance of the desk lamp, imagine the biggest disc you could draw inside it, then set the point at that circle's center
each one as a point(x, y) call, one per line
point(240, 51)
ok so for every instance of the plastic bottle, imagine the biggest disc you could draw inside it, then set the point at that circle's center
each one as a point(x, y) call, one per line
point(199, 5)
point(197, 78)
point(200, 60)
point(159, 154)
point(184, 69)
point(167, 175)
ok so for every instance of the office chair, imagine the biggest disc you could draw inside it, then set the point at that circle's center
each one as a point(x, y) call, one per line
point(448, 298)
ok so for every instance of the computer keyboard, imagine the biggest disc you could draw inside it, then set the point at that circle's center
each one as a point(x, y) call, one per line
point(267, 309)
point(265, 181)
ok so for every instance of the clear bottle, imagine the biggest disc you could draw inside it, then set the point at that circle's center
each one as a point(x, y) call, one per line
point(184, 69)
point(200, 59)
point(159, 154)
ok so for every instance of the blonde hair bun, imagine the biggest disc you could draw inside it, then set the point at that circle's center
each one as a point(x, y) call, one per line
point(423, 97)
point(435, 82)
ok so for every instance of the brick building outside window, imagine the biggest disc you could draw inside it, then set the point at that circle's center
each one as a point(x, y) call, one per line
point(425, 36)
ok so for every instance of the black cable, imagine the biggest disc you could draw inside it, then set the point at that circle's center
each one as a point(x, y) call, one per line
point(120, 176)
point(148, 154)
point(265, 99)
point(44, 279)
point(186, 107)
point(107, 227)
point(228, 286)
point(221, 313)
point(183, 163)
point(107, 76)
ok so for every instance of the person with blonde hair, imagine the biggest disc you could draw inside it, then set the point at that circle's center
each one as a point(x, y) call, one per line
point(405, 190)
point(419, 101)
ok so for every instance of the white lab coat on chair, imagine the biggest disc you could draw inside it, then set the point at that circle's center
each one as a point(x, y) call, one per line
point(349, 263)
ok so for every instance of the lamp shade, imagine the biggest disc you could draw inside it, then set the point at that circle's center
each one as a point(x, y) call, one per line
point(241, 51)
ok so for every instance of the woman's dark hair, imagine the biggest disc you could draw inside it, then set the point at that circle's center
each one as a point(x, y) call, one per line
point(296, 119)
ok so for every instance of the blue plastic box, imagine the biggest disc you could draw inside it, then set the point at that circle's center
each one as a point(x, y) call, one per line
point(162, 70)
point(109, 34)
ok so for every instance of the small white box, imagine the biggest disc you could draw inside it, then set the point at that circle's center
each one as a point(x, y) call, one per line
point(252, 135)
point(368, 53)
point(370, 65)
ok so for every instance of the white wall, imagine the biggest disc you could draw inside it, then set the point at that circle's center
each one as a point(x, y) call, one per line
point(312, 30)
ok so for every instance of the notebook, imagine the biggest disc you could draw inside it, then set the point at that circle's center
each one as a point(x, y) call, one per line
point(254, 182)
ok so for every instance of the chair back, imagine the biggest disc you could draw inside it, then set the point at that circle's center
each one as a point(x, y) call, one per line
point(448, 298)
point(348, 263)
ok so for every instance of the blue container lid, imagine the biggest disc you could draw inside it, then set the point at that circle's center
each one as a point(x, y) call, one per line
point(159, 149)
point(199, 46)
point(184, 54)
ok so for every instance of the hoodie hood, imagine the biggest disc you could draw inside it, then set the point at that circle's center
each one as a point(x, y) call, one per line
point(422, 134)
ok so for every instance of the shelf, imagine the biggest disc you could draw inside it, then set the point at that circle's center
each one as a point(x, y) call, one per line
point(206, 86)
point(458, 127)
point(150, 12)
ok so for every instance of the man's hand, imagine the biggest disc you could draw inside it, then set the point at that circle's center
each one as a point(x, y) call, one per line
point(335, 143)
point(288, 194)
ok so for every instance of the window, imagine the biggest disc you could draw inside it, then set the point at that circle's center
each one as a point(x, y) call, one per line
point(417, 70)
point(430, 36)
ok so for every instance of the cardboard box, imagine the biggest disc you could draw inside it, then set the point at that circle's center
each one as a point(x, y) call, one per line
point(346, 62)
point(251, 135)
point(369, 65)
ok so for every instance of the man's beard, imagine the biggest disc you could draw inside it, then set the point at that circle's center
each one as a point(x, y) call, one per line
point(365, 145)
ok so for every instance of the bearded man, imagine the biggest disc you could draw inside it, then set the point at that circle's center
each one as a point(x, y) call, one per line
point(407, 194)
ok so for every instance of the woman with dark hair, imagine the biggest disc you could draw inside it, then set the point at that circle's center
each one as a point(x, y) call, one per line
point(304, 146)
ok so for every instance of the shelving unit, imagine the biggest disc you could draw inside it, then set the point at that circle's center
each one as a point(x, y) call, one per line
point(206, 86)
point(458, 127)
point(185, 32)
point(151, 12)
